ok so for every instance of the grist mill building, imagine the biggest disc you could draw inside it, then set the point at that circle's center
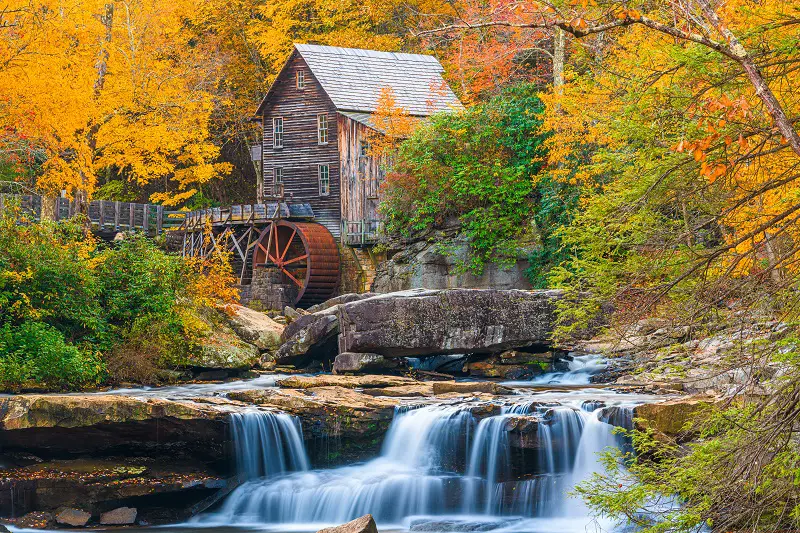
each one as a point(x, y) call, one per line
point(311, 232)
point(317, 119)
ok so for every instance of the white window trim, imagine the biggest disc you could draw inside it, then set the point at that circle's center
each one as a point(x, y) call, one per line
point(274, 131)
point(319, 178)
point(275, 172)
point(319, 129)
point(300, 79)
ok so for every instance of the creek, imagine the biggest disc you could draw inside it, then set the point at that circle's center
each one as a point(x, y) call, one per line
point(444, 466)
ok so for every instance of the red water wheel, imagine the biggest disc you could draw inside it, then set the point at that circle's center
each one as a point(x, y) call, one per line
point(306, 256)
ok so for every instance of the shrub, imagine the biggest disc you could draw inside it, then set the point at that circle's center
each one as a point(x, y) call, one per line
point(69, 309)
point(37, 352)
point(478, 167)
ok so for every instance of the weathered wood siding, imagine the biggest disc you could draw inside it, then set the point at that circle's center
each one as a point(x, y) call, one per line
point(301, 153)
point(360, 175)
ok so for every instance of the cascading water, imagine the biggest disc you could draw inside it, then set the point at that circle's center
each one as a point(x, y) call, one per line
point(267, 444)
point(437, 462)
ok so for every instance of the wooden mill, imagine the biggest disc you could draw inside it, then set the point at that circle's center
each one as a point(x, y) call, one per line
point(312, 231)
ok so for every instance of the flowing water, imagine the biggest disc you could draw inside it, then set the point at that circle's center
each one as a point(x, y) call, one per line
point(443, 467)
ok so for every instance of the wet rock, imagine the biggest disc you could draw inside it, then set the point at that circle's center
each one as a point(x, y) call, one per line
point(310, 337)
point(365, 524)
point(674, 419)
point(167, 484)
point(495, 369)
point(418, 390)
point(350, 382)
point(35, 520)
point(362, 362)
point(53, 425)
point(523, 431)
point(465, 387)
point(212, 375)
point(4, 529)
point(72, 517)
point(430, 322)
point(455, 525)
point(339, 424)
point(121, 516)
point(255, 328)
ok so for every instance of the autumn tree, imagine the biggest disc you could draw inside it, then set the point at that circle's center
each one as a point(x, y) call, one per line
point(108, 91)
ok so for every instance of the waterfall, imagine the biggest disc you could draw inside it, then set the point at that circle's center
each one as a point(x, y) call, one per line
point(267, 444)
point(436, 461)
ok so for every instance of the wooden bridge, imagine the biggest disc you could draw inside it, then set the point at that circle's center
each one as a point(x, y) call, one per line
point(105, 216)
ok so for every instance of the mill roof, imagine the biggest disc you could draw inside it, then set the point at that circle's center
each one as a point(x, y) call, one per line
point(353, 79)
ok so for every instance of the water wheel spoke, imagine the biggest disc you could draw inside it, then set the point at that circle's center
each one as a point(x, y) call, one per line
point(298, 283)
point(288, 243)
point(296, 259)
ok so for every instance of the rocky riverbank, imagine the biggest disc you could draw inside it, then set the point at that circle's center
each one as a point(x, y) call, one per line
point(168, 454)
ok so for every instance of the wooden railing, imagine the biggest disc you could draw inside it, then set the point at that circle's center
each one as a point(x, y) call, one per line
point(104, 215)
point(245, 214)
point(360, 232)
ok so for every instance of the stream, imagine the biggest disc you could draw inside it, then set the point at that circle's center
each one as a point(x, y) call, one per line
point(441, 467)
point(444, 466)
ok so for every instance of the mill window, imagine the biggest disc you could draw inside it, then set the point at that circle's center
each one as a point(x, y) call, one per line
point(301, 79)
point(322, 129)
point(277, 132)
point(324, 180)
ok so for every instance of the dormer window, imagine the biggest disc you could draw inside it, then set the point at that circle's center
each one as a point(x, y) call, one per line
point(301, 79)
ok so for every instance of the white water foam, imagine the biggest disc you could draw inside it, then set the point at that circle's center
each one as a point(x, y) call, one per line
point(439, 468)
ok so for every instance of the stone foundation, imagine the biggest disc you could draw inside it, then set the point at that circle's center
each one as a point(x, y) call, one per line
point(268, 291)
point(358, 269)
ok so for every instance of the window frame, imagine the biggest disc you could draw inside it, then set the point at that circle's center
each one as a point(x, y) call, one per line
point(327, 180)
point(323, 117)
point(277, 175)
point(275, 121)
point(300, 79)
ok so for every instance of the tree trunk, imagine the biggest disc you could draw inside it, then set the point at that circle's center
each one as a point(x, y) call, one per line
point(559, 46)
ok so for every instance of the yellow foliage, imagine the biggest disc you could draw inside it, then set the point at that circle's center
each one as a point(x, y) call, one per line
point(134, 99)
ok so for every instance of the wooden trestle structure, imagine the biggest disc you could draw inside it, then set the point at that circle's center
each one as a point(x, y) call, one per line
point(279, 236)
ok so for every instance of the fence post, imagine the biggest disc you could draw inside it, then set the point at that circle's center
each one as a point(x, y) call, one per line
point(159, 219)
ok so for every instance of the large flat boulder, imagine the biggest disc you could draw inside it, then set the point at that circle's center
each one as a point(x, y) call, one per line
point(62, 424)
point(349, 382)
point(428, 322)
point(339, 424)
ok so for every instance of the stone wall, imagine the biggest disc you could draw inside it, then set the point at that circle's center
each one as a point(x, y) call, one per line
point(358, 269)
point(268, 291)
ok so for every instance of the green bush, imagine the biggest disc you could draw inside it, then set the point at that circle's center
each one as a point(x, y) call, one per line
point(73, 312)
point(37, 352)
point(482, 167)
